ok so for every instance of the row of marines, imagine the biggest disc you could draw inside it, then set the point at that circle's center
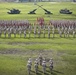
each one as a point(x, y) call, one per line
point(40, 61)
point(54, 27)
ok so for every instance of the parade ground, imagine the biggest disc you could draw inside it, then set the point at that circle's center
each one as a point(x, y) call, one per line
point(25, 8)
point(15, 51)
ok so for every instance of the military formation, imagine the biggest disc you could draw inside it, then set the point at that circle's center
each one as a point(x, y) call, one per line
point(39, 62)
point(65, 28)
point(23, 28)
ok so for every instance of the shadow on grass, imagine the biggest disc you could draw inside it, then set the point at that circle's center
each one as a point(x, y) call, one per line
point(39, 72)
point(58, 72)
point(32, 71)
point(54, 72)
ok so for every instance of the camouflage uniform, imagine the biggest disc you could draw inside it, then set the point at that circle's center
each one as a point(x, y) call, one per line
point(29, 68)
point(51, 65)
point(40, 59)
point(36, 66)
point(44, 66)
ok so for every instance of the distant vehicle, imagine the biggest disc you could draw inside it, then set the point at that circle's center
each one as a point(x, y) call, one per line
point(32, 12)
point(46, 11)
point(65, 11)
point(14, 11)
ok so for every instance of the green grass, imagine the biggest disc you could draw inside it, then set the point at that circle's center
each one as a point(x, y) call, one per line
point(39, 44)
point(62, 50)
point(14, 52)
point(27, 7)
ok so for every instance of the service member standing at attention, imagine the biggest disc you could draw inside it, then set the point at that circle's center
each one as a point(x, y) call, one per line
point(51, 65)
point(28, 68)
point(36, 66)
point(29, 64)
point(30, 61)
point(40, 59)
point(44, 65)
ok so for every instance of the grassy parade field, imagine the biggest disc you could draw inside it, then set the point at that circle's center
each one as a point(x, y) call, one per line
point(25, 8)
point(15, 52)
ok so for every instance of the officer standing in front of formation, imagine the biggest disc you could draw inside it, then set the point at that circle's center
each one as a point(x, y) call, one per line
point(40, 59)
point(51, 65)
point(29, 64)
point(30, 61)
point(29, 68)
point(44, 65)
point(36, 66)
